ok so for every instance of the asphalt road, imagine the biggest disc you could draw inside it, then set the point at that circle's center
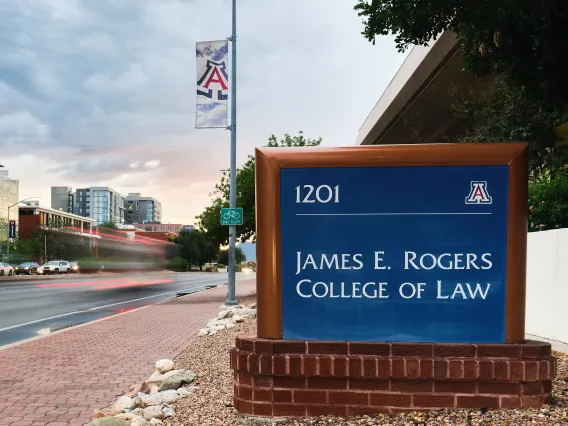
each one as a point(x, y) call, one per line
point(34, 307)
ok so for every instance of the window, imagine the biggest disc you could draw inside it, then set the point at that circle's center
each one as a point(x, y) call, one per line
point(169, 229)
point(148, 228)
point(177, 228)
point(155, 228)
point(162, 228)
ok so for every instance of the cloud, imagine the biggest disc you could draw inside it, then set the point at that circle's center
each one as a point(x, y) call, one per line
point(103, 92)
point(152, 164)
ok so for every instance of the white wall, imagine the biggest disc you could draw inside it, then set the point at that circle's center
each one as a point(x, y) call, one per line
point(547, 285)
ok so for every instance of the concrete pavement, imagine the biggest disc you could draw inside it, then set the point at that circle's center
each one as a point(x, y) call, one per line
point(37, 306)
point(60, 379)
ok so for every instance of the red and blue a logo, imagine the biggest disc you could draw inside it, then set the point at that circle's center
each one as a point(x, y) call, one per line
point(216, 75)
point(478, 193)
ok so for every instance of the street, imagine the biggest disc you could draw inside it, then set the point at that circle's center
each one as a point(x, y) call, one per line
point(33, 307)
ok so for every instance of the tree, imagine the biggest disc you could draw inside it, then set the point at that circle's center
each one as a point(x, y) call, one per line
point(522, 39)
point(223, 258)
point(209, 219)
point(508, 113)
point(196, 247)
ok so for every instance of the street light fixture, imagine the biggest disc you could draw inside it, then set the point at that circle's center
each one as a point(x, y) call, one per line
point(8, 239)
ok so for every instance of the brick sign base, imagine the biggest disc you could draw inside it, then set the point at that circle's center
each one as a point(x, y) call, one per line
point(276, 378)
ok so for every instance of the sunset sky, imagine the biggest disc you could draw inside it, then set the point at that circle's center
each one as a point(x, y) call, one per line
point(102, 92)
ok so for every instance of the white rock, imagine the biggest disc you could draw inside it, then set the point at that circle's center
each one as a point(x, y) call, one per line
point(129, 416)
point(143, 397)
point(238, 318)
point(169, 412)
point(169, 396)
point(253, 306)
point(153, 412)
point(139, 421)
point(203, 332)
point(156, 422)
point(154, 389)
point(124, 403)
point(212, 332)
point(230, 325)
point(164, 365)
point(183, 392)
point(155, 399)
point(219, 327)
point(225, 314)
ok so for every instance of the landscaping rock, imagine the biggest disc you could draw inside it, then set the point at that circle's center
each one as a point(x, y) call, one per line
point(155, 399)
point(183, 392)
point(225, 314)
point(169, 412)
point(124, 403)
point(97, 414)
point(172, 379)
point(154, 412)
point(169, 396)
point(109, 421)
point(156, 422)
point(164, 365)
point(139, 421)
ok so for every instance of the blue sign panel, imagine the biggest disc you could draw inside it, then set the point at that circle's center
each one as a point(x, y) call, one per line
point(411, 254)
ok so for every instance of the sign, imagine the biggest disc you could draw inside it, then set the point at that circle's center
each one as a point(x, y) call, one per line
point(212, 84)
point(399, 244)
point(232, 216)
point(12, 229)
point(188, 227)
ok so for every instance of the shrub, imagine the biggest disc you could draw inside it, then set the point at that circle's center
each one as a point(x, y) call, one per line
point(548, 201)
point(178, 264)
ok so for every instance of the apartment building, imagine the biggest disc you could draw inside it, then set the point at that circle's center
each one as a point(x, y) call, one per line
point(102, 204)
point(140, 210)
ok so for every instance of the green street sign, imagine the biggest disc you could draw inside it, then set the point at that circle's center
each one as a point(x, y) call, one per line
point(232, 216)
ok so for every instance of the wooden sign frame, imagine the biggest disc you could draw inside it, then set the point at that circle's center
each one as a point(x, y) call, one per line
point(269, 162)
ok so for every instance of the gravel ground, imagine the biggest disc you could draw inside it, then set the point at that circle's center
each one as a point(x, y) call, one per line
point(212, 403)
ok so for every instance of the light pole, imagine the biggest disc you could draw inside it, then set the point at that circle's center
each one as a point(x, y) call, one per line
point(233, 173)
point(8, 239)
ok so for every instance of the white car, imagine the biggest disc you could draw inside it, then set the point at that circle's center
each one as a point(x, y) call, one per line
point(54, 267)
point(6, 269)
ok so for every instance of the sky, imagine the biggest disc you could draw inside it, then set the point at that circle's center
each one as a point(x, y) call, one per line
point(102, 92)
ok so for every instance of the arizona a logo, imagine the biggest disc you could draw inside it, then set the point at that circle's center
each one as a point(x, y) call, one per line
point(478, 193)
point(215, 74)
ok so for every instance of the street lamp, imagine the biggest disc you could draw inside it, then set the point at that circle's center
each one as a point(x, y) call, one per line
point(8, 239)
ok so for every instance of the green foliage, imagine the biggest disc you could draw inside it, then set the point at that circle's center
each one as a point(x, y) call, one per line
point(196, 247)
point(508, 113)
point(209, 220)
point(223, 257)
point(178, 264)
point(108, 225)
point(523, 39)
point(90, 264)
point(548, 201)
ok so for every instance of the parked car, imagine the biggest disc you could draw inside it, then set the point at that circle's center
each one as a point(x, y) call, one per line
point(6, 269)
point(27, 268)
point(74, 267)
point(54, 267)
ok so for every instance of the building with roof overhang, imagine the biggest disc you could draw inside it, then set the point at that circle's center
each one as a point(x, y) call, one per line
point(416, 105)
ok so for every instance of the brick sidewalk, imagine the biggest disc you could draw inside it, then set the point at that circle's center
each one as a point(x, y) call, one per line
point(59, 380)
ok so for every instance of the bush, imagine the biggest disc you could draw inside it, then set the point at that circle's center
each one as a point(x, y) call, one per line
point(548, 202)
point(90, 264)
point(178, 264)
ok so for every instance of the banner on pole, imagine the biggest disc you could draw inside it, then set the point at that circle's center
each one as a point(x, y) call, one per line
point(212, 84)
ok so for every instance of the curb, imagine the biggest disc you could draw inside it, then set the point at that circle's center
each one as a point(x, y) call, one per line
point(32, 339)
point(15, 280)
